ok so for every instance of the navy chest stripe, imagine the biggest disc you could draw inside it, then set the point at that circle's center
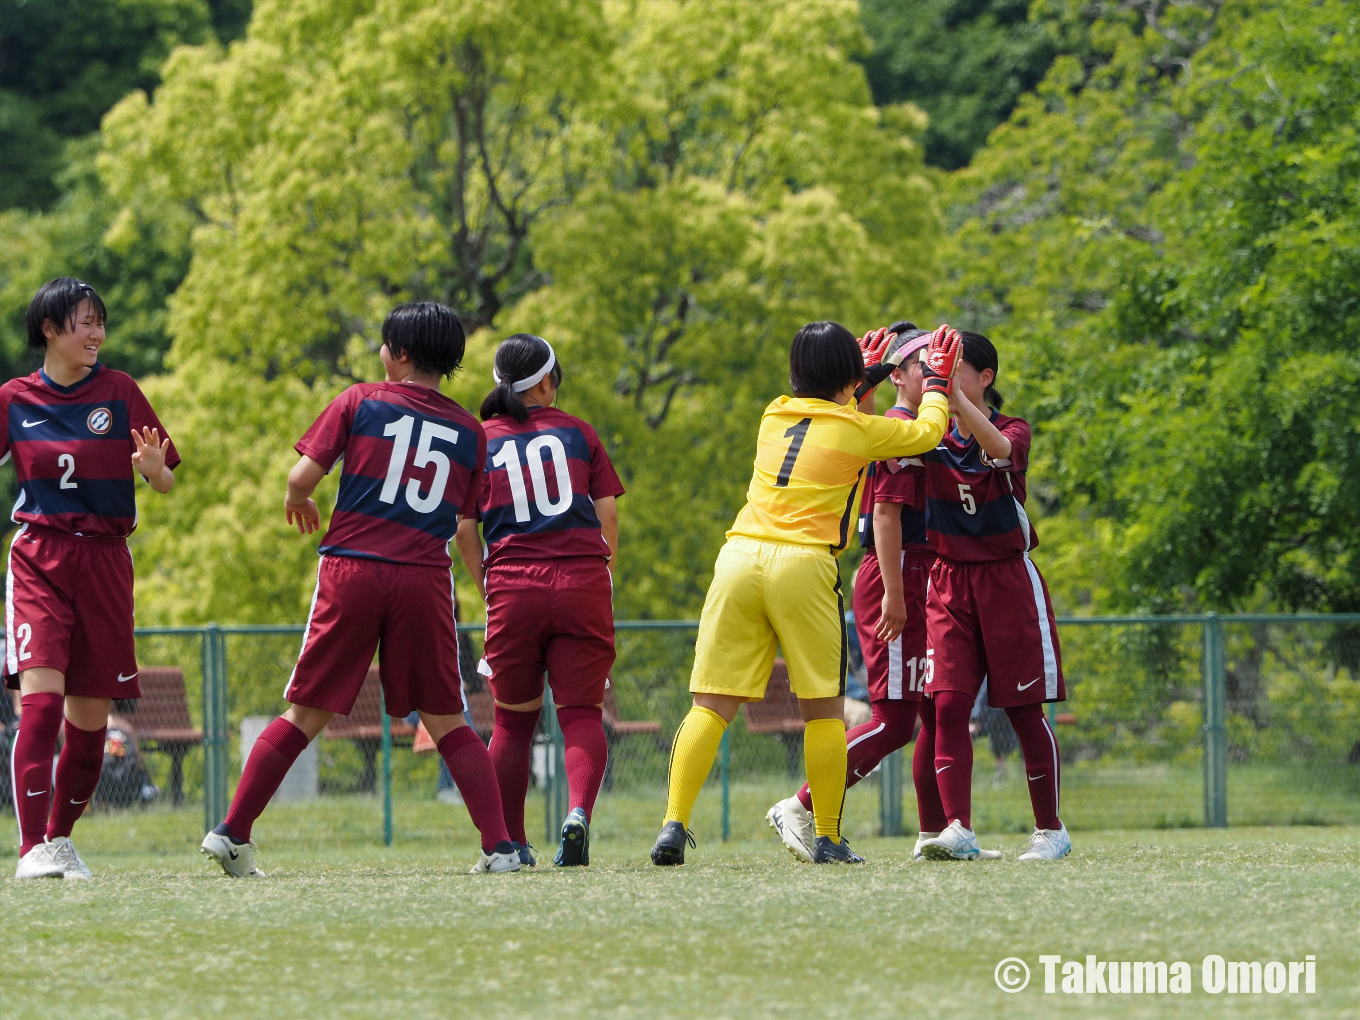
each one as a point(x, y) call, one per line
point(65, 422)
point(573, 441)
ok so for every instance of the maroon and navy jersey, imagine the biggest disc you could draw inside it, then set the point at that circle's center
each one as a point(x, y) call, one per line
point(413, 462)
point(901, 481)
point(542, 478)
point(975, 506)
point(72, 448)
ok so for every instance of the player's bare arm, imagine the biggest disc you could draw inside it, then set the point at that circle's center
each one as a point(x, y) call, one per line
point(607, 510)
point(974, 420)
point(888, 540)
point(148, 459)
point(469, 545)
point(298, 505)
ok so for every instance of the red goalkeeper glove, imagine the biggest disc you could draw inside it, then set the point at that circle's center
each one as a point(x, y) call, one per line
point(873, 345)
point(940, 360)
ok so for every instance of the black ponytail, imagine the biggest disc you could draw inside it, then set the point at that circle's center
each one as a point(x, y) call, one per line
point(980, 352)
point(518, 357)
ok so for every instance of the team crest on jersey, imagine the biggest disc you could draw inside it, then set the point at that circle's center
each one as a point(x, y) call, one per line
point(100, 420)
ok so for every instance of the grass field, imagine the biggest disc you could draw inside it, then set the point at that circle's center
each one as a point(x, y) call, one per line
point(347, 927)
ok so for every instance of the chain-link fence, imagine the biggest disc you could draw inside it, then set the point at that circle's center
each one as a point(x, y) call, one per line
point(1171, 721)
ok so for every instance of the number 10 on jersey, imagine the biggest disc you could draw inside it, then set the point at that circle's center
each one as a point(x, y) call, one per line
point(508, 457)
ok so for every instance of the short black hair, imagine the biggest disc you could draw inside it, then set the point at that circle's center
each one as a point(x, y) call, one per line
point(980, 352)
point(824, 359)
point(59, 300)
point(519, 356)
point(430, 333)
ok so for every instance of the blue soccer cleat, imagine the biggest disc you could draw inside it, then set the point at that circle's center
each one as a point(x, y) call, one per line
point(574, 850)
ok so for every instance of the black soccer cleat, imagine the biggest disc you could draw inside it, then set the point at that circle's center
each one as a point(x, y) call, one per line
point(526, 854)
point(574, 850)
point(828, 851)
point(670, 845)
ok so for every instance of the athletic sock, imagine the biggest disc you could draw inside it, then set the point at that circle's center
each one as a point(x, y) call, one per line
point(871, 742)
point(825, 756)
point(512, 745)
point(587, 753)
point(475, 776)
point(1043, 768)
point(954, 755)
point(928, 807)
point(271, 757)
point(78, 768)
point(34, 746)
point(696, 742)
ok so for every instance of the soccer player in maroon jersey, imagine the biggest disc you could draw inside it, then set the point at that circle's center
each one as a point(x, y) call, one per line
point(551, 528)
point(988, 612)
point(413, 463)
point(79, 434)
point(889, 604)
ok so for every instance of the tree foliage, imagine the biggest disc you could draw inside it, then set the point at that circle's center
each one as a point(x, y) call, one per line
point(667, 199)
point(1163, 242)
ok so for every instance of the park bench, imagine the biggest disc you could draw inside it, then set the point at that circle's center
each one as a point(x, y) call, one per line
point(363, 727)
point(777, 714)
point(162, 721)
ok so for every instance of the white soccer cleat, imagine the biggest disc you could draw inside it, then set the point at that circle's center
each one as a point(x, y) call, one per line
point(237, 859)
point(956, 844)
point(40, 862)
point(1047, 844)
point(921, 837)
point(496, 863)
point(795, 826)
point(64, 853)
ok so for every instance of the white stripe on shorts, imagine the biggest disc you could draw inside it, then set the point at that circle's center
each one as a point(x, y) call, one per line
point(307, 631)
point(895, 655)
point(1045, 632)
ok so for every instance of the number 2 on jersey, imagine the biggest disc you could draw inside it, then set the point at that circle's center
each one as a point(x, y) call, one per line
point(508, 457)
point(797, 433)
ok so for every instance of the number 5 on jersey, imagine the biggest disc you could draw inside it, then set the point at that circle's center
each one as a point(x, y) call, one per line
point(400, 430)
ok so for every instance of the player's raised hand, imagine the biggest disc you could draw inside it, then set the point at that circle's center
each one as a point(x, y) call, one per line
point(304, 513)
point(873, 345)
point(149, 456)
point(940, 360)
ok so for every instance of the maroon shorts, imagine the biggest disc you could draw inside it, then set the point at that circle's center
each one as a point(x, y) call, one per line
point(68, 607)
point(403, 611)
point(550, 615)
point(993, 620)
point(896, 669)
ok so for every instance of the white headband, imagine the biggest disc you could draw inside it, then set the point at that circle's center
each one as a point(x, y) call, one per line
point(536, 378)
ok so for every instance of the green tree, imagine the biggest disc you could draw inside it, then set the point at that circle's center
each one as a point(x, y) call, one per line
point(667, 199)
point(1163, 244)
point(966, 63)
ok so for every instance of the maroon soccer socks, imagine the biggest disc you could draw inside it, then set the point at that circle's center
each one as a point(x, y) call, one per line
point(78, 768)
point(271, 757)
point(1043, 770)
point(33, 749)
point(512, 742)
point(929, 809)
point(954, 755)
point(470, 766)
point(586, 753)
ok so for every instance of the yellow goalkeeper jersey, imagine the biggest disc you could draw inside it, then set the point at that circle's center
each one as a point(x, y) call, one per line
point(810, 458)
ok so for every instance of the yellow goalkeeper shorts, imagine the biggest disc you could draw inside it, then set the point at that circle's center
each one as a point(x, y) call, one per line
point(765, 596)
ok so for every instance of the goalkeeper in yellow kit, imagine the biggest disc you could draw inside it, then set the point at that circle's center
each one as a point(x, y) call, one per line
point(776, 583)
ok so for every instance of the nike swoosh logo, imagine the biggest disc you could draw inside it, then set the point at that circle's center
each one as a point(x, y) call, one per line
point(938, 771)
point(1039, 776)
point(29, 424)
point(232, 854)
point(859, 774)
point(124, 679)
point(1022, 687)
point(85, 801)
point(31, 793)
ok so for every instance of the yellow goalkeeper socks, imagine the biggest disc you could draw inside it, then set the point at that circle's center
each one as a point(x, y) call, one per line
point(696, 742)
point(826, 756)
